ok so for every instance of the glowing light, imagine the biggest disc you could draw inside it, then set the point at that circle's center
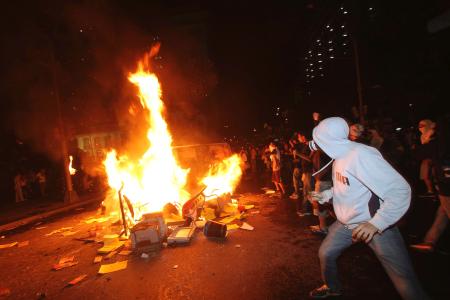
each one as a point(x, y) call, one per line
point(344, 34)
point(331, 49)
point(319, 54)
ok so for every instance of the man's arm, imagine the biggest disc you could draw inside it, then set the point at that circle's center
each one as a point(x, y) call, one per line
point(383, 180)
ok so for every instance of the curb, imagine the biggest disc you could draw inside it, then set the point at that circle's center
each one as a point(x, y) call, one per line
point(41, 216)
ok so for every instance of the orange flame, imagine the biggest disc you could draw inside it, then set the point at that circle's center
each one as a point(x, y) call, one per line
point(72, 171)
point(223, 177)
point(156, 178)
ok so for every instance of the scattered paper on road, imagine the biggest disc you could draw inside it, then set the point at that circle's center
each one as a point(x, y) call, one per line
point(247, 226)
point(23, 244)
point(61, 230)
point(110, 255)
point(113, 267)
point(4, 246)
point(78, 279)
point(232, 226)
point(41, 227)
point(98, 220)
point(125, 252)
point(64, 265)
point(111, 247)
point(250, 206)
point(98, 259)
point(68, 233)
point(67, 259)
point(227, 220)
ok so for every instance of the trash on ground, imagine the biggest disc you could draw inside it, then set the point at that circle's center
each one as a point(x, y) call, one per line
point(125, 252)
point(200, 223)
point(110, 255)
point(215, 229)
point(109, 268)
point(60, 266)
point(232, 226)
point(4, 246)
point(237, 246)
point(181, 235)
point(247, 226)
point(111, 247)
point(175, 267)
point(148, 234)
point(78, 279)
point(41, 227)
point(145, 255)
point(98, 220)
point(61, 230)
point(227, 220)
point(23, 244)
point(98, 259)
point(249, 206)
point(68, 233)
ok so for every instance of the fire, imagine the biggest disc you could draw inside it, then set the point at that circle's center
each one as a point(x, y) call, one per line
point(72, 171)
point(156, 178)
point(223, 177)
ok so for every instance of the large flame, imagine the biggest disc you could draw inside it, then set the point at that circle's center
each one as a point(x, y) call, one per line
point(155, 179)
point(223, 177)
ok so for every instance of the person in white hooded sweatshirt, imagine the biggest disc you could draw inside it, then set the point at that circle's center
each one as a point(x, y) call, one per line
point(368, 197)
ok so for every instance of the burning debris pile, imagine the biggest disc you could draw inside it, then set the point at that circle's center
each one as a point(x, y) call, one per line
point(151, 194)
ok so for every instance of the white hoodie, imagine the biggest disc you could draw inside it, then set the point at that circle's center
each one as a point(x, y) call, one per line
point(365, 186)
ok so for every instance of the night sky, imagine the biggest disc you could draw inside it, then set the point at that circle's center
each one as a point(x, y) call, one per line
point(224, 67)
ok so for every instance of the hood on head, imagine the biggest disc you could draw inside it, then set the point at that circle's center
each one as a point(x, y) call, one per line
point(331, 135)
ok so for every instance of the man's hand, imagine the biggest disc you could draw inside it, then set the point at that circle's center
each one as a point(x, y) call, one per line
point(364, 232)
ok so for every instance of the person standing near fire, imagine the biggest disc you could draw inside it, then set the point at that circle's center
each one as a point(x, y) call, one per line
point(275, 158)
point(369, 197)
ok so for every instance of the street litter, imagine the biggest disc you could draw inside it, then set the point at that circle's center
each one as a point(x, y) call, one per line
point(110, 255)
point(98, 259)
point(41, 227)
point(4, 246)
point(215, 229)
point(175, 267)
point(61, 230)
point(237, 246)
point(247, 226)
point(109, 268)
point(78, 279)
point(60, 266)
point(125, 252)
point(181, 235)
point(145, 255)
point(111, 247)
point(23, 244)
point(98, 220)
point(254, 212)
point(232, 226)
point(68, 233)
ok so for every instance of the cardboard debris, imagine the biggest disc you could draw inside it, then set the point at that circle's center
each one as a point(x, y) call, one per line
point(67, 259)
point(61, 230)
point(247, 226)
point(120, 265)
point(125, 252)
point(41, 227)
point(4, 292)
point(23, 244)
point(208, 213)
point(250, 206)
point(68, 233)
point(227, 220)
point(98, 220)
point(4, 246)
point(110, 255)
point(111, 247)
point(98, 259)
point(78, 279)
point(232, 226)
point(65, 265)
point(200, 223)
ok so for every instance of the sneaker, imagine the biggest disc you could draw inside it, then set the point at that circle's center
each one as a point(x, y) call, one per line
point(423, 247)
point(317, 230)
point(294, 196)
point(323, 292)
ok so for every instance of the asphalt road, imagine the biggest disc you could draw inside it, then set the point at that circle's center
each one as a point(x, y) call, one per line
point(277, 260)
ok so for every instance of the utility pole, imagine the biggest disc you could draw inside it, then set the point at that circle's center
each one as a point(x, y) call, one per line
point(358, 81)
point(70, 195)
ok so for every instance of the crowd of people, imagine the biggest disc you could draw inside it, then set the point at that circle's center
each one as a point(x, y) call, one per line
point(359, 179)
